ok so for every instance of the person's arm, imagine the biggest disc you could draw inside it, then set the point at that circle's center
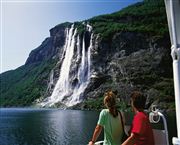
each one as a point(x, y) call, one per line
point(130, 140)
point(96, 134)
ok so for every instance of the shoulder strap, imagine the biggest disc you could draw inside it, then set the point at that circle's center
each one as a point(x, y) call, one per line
point(122, 122)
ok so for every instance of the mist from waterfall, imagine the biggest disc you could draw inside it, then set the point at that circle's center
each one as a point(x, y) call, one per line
point(75, 69)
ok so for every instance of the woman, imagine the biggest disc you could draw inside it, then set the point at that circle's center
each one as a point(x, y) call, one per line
point(141, 131)
point(110, 121)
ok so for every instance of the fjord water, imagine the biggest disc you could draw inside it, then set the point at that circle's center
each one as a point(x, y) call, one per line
point(24, 126)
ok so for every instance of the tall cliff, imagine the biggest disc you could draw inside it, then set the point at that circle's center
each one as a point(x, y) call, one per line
point(129, 50)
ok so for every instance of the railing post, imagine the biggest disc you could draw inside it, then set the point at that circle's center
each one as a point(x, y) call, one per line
point(173, 11)
point(176, 73)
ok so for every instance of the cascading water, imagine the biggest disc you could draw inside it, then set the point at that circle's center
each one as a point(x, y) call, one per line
point(51, 81)
point(83, 74)
point(65, 91)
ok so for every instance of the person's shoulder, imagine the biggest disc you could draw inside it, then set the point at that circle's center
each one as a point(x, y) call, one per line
point(141, 115)
point(104, 111)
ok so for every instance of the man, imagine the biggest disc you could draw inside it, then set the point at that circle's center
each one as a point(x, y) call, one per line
point(141, 132)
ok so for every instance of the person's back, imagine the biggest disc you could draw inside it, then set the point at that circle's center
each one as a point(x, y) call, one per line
point(142, 129)
point(112, 128)
point(109, 120)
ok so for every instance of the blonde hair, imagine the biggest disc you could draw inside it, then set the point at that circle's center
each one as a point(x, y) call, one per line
point(110, 102)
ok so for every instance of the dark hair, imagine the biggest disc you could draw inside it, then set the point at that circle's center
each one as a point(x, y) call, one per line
point(138, 100)
point(110, 102)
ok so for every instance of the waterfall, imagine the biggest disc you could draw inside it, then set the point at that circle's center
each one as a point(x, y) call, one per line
point(75, 69)
point(51, 80)
point(83, 75)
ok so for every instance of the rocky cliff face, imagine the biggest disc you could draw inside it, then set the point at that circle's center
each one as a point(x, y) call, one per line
point(50, 47)
point(129, 61)
point(132, 61)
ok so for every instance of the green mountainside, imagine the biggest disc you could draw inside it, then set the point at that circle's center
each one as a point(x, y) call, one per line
point(20, 87)
point(146, 17)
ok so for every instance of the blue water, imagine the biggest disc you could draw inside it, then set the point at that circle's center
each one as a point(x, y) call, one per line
point(46, 126)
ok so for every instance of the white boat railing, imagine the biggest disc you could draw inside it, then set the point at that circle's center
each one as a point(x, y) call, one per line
point(173, 11)
point(99, 142)
point(160, 136)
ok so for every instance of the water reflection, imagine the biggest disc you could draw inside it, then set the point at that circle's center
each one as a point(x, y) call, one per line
point(45, 126)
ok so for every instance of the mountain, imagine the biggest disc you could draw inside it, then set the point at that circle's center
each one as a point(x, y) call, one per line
point(123, 51)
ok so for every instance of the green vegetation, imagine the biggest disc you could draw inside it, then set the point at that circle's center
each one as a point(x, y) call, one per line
point(25, 84)
point(167, 90)
point(80, 28)
point(147, 17)
point(94, 105)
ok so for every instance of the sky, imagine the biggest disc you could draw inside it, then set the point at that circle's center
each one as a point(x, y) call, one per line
point(26, 23)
